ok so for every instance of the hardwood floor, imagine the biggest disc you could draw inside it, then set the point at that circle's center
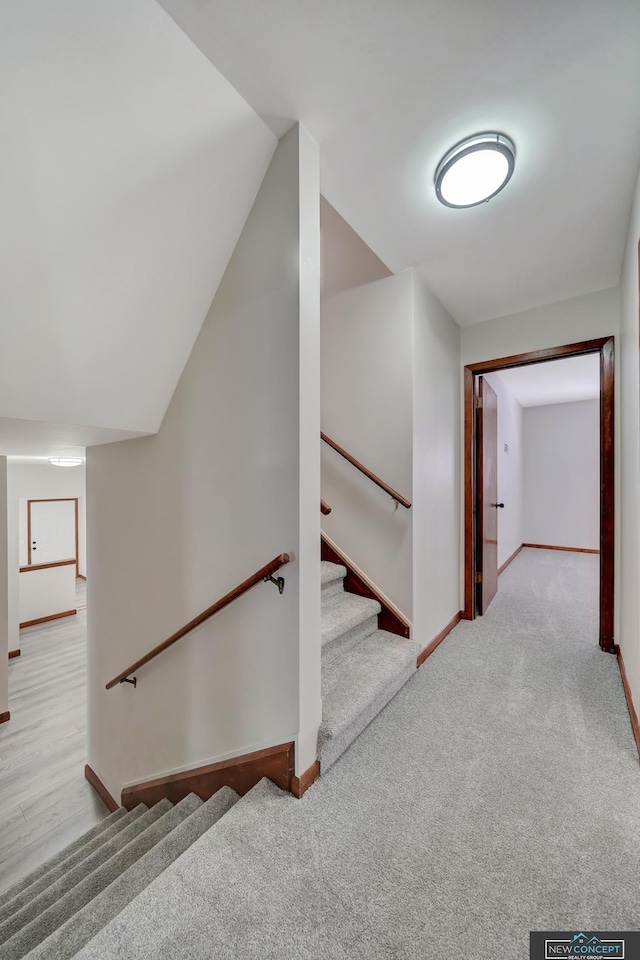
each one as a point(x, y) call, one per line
point(45, 802)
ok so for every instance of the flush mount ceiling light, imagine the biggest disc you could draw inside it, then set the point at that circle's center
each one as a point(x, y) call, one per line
point(475, 170)
point(66, 461)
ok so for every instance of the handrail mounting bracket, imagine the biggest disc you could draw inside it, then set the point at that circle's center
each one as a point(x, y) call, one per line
point(279, 582)
point(134, 681)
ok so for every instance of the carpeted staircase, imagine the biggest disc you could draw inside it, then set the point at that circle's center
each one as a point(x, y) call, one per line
point(362, 667)
point(58, 908)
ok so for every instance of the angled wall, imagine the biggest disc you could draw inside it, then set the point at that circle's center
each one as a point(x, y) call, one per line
point(230, 481)
point(129, 167)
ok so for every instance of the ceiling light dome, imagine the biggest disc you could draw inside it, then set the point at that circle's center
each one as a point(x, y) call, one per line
point(66, 461)
point(475, 170)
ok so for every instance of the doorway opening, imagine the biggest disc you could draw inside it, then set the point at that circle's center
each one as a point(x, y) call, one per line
point(479, 564)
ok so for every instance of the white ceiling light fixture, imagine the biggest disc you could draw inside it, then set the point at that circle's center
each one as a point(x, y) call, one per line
point(475, 170)
point(66, 461)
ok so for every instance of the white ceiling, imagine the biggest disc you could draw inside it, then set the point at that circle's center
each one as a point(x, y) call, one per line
point(32, 438)
point(387, 87)
point(128, 167)
point(557, 381)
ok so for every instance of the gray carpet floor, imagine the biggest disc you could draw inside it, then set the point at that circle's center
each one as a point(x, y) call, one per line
point(499, 792)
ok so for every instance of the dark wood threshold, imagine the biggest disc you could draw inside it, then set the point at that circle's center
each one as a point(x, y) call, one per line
point(52, 616)
point(240, 773)
point(428, 650)
point(13, 654)
point(5, 716)
point(300, 785)
point(548, 546)
point(388, 619)
point(511, 558)
point(80, 576)
point(100, 788)
point(633, 715)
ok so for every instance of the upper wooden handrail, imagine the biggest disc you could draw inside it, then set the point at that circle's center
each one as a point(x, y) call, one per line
point(262, 574)
point(325, 508)
point(384, 486)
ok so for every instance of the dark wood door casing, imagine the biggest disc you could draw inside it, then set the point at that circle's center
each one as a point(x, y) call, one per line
point(604, 346)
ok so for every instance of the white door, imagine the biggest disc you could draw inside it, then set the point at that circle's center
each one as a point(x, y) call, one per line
point(53, 530)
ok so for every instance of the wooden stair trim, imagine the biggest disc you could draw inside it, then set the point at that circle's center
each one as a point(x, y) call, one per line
point(92, 777)
point(633, 715)
point(52, 616)
point(437, 640)
point(240, 773)
point(14, 653)
point(300, 785)
point(389, 618)
point(548, 546)
point(5, 716)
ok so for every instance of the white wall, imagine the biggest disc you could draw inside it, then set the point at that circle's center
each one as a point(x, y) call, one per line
point(34, 480)
point(44, 593)
point(510, 470)
point(562, 474)
point(230, 481)
point(436, 465)
point(5, 612)
point(346, 260)
point(628, 635)
point(367, 344)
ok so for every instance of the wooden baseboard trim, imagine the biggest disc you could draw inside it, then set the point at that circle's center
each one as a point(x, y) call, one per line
point(5, 716)
point(388, 619)
point(633, 715)
point(300, 785)
point(53, 616)
point(13, 654)
point(548, 546)
point(100, 788)
point(239, 773)
point(428, 650)
point(80, 576)
point(511, 558)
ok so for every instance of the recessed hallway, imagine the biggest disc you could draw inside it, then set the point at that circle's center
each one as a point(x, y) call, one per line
point(45, 802)
point(497, 793)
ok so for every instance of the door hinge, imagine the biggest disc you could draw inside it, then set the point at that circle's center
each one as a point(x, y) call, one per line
point(478, 403)
point(478, 577)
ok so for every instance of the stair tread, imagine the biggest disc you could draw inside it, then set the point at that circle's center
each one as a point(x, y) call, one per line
point(66, 865)
point(87, 922)
point(342, 612)
point(352, 680)
point(331, 571)
point(40, 918)
point(61, 856)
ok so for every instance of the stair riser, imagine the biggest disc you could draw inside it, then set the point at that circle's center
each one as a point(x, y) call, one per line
point(331, 750)
point(349, 639)
point(330, 589)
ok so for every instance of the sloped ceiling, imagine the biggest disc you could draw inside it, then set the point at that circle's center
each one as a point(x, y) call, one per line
point(387, 87)
point(127, 170)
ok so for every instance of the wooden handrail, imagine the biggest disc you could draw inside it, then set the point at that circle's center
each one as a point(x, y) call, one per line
point(325, 508)
point(384, 486)
point(264, 573)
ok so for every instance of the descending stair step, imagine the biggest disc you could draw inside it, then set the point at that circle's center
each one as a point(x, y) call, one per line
point(357, 685)
point(65, 942)
point(64, 899)
point(331, 578)
point(64, 854)
point(66, 865)
point(244, 824)
point(346, 619)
